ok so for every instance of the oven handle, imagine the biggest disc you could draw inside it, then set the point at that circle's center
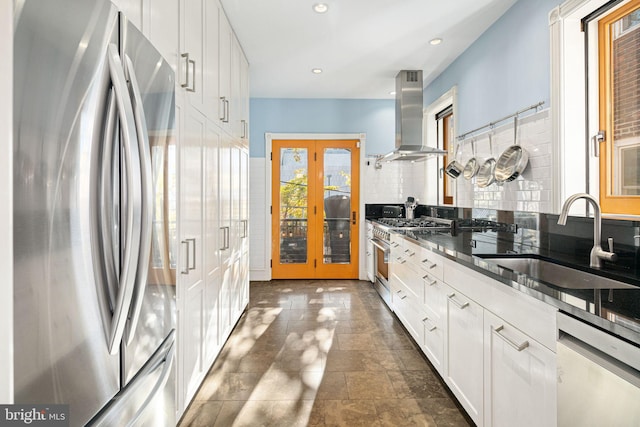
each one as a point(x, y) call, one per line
point(380, 245)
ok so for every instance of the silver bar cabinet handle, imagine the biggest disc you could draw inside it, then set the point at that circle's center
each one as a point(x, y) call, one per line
point(193, 86)
point(431, 329)
point(186, 269)
point(462, 306)
point(516, 346)
point(193, 242)
point(223, 103)
point(186, 70)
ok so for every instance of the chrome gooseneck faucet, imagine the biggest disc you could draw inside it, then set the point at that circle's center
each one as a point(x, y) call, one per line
point(597, 253)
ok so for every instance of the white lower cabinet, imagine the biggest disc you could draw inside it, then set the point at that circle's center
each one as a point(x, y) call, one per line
point(520, 382)
point(492, 345)
point(464, 363)
point(433, 339)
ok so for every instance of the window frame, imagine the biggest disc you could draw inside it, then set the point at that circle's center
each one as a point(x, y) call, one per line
point(609, 201)
point(573, 121)
point(435, 173)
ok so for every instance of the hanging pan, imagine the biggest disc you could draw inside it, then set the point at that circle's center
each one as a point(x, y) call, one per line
point(513, 160)
point(454, 168)
point(473, 164)
point(486, 172)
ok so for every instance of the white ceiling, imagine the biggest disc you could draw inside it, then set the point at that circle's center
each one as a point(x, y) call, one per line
point(360, 44)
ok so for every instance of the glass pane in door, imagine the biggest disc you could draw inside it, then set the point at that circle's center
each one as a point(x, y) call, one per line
point(294, 202)
point(337, 206)
point(626, 104)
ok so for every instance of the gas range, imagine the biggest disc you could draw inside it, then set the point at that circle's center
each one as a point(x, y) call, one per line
point(382, 227)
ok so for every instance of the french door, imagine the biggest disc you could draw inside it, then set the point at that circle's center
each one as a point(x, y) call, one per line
point(315, 199)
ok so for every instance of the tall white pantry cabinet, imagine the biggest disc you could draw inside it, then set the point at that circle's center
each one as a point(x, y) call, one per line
point(212, 149)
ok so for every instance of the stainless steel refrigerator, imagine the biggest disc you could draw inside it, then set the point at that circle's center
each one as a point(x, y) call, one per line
point(94, 215)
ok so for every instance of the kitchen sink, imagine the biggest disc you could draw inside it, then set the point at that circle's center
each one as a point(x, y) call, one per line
point(555, 274)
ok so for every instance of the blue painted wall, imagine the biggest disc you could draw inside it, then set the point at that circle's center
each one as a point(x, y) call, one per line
point(505, 70)
point(375, 117)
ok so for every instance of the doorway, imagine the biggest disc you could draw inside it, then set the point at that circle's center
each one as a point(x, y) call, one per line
point(315, 200)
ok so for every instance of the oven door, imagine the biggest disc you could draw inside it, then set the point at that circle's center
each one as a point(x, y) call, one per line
point(381, 265)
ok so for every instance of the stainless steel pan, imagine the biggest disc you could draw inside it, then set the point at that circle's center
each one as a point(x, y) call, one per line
point(513, 160)
point(486, 175)
point(473, 164)
point(454, 168)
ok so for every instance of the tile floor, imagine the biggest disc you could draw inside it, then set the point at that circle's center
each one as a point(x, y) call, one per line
point(321, 353)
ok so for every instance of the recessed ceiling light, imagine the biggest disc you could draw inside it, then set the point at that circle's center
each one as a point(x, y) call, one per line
point(435, 42)
point(316, 70)
point(320, 7)
point(393, 92)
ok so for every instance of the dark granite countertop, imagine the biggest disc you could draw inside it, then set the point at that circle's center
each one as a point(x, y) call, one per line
point(620, 308)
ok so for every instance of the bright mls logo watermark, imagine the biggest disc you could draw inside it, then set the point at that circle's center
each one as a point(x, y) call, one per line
point(34, 415)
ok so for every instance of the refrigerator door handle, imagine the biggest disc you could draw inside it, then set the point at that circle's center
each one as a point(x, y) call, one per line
point(104, 209)
point(134, 197)
point(147, 201)
point(163, 357)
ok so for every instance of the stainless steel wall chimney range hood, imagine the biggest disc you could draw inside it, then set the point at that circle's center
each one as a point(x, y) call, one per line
point(409, 144)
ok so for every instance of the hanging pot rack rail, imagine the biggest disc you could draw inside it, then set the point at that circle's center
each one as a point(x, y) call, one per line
point(492, 124)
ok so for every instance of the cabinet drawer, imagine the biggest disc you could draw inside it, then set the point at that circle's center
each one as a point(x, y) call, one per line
point(406, 307)
point(434, 295)
point(411, 280)
point(431, 263)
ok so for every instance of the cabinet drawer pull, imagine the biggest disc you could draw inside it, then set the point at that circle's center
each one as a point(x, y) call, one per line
point(400, 294)
point(400, 260)
point(462, 306)
point(431, 329)
point(431, 283)
point(430, 265)
point(516, 346)
point(408, 251)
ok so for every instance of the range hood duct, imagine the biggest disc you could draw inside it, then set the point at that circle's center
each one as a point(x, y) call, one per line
point(409, 146)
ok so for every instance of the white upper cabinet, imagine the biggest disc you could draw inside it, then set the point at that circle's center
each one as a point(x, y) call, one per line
point(224, 76)
point(163, 29)
point(192, 48)
point(211, 60)
point(244, 100)
point(233, 87)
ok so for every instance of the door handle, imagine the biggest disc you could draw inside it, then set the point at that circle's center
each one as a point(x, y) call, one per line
point(134, 197)
point(146, 179)
point(161, 360)
point(514, 345)
point(461, 305)
point(193, 86)
point(186, 269)
point(186, 70)
point(223, 104)
point(193, 242)
point(353, 217)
